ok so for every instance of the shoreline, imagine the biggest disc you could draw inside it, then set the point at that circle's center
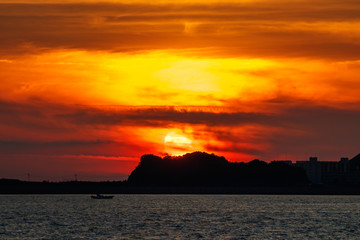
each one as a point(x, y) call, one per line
point(265, 190)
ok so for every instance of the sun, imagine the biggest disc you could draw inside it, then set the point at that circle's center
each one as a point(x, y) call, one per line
point(177, 140)
point(177, 144)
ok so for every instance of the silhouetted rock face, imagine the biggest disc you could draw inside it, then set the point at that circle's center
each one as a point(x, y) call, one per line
point(203, 169)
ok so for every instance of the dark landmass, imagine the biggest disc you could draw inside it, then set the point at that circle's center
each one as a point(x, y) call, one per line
point(203, 169)
point(193, 173)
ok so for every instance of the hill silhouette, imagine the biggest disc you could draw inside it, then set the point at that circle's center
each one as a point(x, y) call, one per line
point(203, 169)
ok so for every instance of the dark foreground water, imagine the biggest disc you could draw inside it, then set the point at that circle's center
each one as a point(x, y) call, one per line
point(179, 217)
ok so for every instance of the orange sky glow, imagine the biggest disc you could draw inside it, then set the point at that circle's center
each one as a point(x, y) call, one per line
point(87, 87)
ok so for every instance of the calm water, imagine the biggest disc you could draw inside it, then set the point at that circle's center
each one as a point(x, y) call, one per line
point(179, 217)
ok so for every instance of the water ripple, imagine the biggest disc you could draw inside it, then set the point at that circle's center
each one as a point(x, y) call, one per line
point(179, 217)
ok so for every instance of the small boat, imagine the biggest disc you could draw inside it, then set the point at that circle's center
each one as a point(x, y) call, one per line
point(99, 196)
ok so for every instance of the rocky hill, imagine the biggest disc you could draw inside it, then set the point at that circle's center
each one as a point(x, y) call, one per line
point(203, 169)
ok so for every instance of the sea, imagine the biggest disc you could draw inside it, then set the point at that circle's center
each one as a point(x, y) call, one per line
point(179, 217)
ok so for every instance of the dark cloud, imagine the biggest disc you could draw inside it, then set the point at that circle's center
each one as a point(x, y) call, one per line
point(292, 128)
point(287, 114)
point(54, 143)
point(161, 117)
point(34, 116)
point(105, 148)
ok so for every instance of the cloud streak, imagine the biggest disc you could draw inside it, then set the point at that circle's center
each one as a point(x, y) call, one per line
point(318, 29)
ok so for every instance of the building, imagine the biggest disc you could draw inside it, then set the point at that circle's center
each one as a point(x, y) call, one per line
point(344, 171)
point(354, 170)
point(326, 172)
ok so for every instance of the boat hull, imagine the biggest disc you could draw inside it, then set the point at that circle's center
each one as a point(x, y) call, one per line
point(102, 197)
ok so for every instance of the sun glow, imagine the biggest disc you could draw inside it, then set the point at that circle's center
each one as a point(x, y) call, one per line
point(165, 79)
point(177, 140)
point(177, 144)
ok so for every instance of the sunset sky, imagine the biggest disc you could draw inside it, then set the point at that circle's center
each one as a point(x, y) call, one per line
point(88, 86)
